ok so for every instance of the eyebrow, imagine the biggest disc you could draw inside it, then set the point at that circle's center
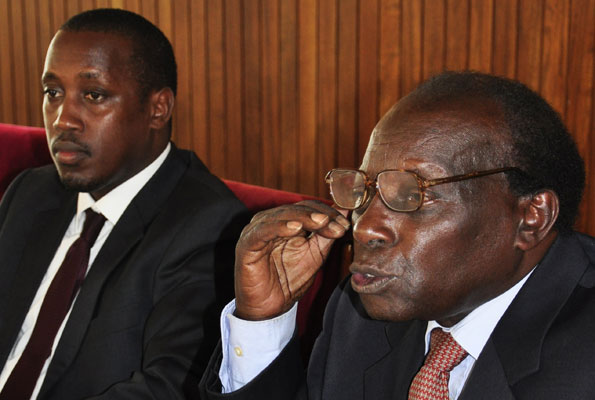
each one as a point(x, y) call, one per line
point(84, 75)
point(89, 75)
point(48, 76)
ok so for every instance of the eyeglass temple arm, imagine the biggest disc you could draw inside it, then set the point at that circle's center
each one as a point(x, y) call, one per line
point(471, 175)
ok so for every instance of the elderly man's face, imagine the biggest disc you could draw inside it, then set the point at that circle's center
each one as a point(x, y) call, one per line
point(458, 250)
point(98, 130)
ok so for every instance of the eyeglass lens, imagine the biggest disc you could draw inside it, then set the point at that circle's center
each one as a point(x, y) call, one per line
point(348, 188)
point(399, 190)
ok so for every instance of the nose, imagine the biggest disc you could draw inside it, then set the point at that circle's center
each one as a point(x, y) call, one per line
point(67, 116)
point(373, 224)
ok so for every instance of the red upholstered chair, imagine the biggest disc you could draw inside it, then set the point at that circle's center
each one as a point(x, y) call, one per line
point(24, 147)
point(21, 147)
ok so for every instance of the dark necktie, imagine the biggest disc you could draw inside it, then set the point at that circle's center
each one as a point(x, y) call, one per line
point(55, 306)
point(431, 382)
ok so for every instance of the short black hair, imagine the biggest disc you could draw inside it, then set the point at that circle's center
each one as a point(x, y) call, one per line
point(153, 61)
point(542, 146)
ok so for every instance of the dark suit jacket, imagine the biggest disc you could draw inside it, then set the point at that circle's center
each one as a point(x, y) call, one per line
point(146, 318)
point(542, 348)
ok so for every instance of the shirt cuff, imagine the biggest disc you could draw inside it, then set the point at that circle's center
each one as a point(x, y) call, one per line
point(250, 346)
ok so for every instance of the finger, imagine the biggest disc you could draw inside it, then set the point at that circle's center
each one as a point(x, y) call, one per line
point(313, 216)
point(339, 215)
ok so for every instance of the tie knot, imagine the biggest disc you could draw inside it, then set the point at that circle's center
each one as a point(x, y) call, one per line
point(92, 227)
point(445, 352)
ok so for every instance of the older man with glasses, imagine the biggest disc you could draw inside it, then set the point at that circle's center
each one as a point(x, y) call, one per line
point(467, 281)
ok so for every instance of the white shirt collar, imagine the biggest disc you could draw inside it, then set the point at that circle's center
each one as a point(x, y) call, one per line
point(473, 331)
point(113, 204)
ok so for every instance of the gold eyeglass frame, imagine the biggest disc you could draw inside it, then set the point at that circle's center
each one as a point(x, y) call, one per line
point(422, 183)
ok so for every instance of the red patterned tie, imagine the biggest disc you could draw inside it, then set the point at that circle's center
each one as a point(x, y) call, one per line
point(55, 306)
point(431, 382)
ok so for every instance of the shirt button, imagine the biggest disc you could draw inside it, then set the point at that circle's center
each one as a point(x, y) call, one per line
point(238, 351)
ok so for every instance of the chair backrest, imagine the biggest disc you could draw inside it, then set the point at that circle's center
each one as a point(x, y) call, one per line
point(23, 147)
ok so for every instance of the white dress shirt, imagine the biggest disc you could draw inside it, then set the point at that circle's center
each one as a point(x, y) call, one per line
point(250, 346)
point(112, 206)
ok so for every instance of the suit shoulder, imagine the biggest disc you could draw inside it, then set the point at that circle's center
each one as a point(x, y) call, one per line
point(200, 183)
point(588, 244)
point(36, 184)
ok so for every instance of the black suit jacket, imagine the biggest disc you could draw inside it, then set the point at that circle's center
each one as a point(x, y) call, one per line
point(542, 348)
point(146, 317)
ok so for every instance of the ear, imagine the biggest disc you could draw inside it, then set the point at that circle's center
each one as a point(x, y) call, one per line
point(539, 213)
point(161, 107)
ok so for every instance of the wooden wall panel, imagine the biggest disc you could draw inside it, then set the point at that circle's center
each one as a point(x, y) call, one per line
point(271, 112)
point(347, 84)
point(6, 104)
point(252, 99)
point(327, 88)
point(367, 80)
point(389, 54)
point(307, 104)
point(276, 92)
point(504, 51)
point(457, 34)
point(234, 88)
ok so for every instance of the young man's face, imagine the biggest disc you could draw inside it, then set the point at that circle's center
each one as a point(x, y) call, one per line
point(97, 128)
point(458, 250)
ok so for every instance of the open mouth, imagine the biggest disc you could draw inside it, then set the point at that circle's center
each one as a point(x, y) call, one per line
point(369, 283)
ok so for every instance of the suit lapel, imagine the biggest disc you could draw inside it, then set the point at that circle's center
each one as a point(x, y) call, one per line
point(38, 251)
point(488, 379)
point(391, 376)
point(514, 349)
point(121, 242)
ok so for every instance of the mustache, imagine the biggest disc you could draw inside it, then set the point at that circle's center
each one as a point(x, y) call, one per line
point(66, 141)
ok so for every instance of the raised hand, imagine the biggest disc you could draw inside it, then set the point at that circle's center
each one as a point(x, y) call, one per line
point(279, 253)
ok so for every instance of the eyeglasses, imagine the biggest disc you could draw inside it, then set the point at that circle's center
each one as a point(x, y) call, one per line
point(400, 190)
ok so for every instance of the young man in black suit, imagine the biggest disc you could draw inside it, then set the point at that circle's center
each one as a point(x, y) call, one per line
point(462, 214)
point(144, 319)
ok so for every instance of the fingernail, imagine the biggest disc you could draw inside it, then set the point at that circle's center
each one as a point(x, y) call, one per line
point(294, 225)
point(318, 217)
point(343, 221)
point(335, 227)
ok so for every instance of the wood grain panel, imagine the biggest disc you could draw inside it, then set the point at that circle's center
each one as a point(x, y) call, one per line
point(198, 80)
point(33, 63)
point(276, 92)
point(307, 101)
point(505, 37)
point(347, 121)
point(411, 45)
point(289, 141)
point(327, 88)
point(580, 104)
point(234, 89)
point(555, 53)
point(181, 40)
point(530, 43)
point(481, 35)
point(216, 86)
point(368, 79)
point(457, 34)
point(6, 65)
point(252, 99)
point(271, 71)
point(21, 110)
point(390, 54)
point(434, 47)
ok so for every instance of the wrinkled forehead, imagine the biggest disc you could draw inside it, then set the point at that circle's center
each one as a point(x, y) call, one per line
point(452, 139)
